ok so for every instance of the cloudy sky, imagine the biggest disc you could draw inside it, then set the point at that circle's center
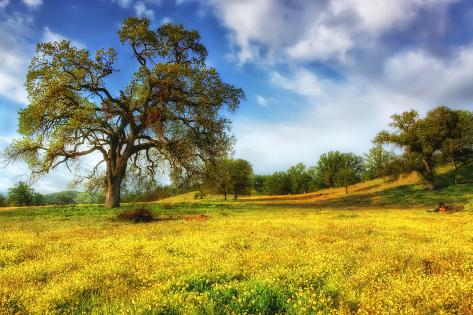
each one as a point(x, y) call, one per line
point(319, 75)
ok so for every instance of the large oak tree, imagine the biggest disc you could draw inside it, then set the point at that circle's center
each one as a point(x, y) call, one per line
point(171, 110)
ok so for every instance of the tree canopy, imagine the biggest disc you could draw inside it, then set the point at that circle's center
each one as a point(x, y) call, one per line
point(22, 194)
point(332, 163)
point(230, 176)
point(376, 162)
point(3, 201)
point(441, 131)
point(300, 178)
point(171, 110)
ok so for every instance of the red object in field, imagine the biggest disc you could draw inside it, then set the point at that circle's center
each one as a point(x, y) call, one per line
point(442, 208)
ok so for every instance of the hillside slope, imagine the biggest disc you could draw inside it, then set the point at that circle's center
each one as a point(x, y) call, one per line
point(406, 192)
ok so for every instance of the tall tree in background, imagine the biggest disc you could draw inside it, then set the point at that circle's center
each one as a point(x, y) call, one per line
point(171, 110)
point(327, 167)
point(376, 162)
point(3, 201)
point(218, 176)
point(412, 135)
point(335, 169)
point(349, 170)
point(22, 194)
point(258, 182)
point(300, 178)
point(458, 145)
point(241, 173)
point(230, 176)
point(442, 131)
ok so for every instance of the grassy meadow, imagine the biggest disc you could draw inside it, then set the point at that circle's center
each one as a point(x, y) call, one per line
point(376, 250)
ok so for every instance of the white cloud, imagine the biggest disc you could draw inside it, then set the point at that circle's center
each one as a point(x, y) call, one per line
point(33, 3)
point(56, 180)
point(345, 115)
point(140, 7)
point(334, 115)
point(291, 31)
point(377, 16)
point(50, 36)
point(303, 82)
point(253, 24)
point(166, 20)
point(10, 173)
point(261, 100)
point(154, 2)
point(15, 51)
point(438, 80)
point(321, 43)
point(142, 11)
point(123, 3)
point(4, 3)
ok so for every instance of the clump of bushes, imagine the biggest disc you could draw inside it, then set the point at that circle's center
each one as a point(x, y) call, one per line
point(137, 215)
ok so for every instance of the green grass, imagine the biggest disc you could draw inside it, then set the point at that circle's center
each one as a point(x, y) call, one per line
point(374, 251)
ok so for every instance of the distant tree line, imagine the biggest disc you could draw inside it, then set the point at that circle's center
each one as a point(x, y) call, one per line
point(21, 194)
point(443, 136)
point(333, 169)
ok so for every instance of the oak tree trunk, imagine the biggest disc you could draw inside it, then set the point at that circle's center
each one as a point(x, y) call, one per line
point(113, 185)
point(428, 174)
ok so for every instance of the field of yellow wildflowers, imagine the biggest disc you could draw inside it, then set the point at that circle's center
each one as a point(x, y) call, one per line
point(244, 257)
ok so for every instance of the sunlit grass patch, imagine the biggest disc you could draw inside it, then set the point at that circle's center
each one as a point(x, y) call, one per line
point(244, 257)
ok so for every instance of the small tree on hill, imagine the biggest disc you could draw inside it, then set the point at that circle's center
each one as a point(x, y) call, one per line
point(350, 171)
point(332, 163)
point(300, 178)
point(240, 177)
point(171, 110)
point(458, 145)
point(2, 201)
point(258, 183)
point(327, 167)
point(218, 176)
point(345, 177)
point(376, 162)
point(229, 176)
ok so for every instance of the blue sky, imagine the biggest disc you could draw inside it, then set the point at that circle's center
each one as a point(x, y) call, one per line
point(318, 75)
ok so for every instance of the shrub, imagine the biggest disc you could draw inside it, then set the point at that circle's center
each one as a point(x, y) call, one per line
point(137, 215)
